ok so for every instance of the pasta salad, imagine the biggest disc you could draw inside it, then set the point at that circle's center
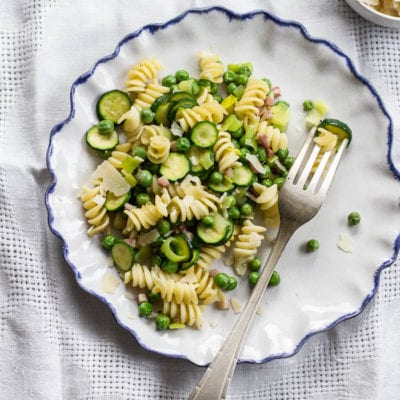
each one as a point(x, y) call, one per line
point(185, 166)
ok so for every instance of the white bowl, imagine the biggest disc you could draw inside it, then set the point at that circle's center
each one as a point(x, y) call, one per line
point(374, 16)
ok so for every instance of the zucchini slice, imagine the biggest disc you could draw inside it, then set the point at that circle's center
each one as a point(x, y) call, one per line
point(226, 185)
point(177, 166)
point(177, 248)
point(181, 95)
point(337, 127)
point(217, 234)
point(123, 255)
point(184, 103)
point(242, 176)
point(192, 261)
point(204, 134)
point(101, 141)
point(113, 104)
point(114, 203)
point(201, 159)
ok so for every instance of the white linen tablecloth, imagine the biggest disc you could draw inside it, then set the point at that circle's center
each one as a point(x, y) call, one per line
point(56, 341)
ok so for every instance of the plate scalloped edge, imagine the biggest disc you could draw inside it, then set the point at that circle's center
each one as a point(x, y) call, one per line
point(231, 15)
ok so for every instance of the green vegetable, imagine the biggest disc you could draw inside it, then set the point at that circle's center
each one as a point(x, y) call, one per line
point(112, 105)
point(279, 182)
point(153, 297)
point(231, 88)
point(164, 227)
point(147, 116)
point(246, 210)
point(208, 220)
point(255, 264)
point(114, 203)
point(123, 255)
point(100, 141)
point(353, 218)
point(231, 124)
point(312, 245)
point(218, 234)
point(182, 144)
point(280, 115)
point(204, 134)
point(232, 283)
point(193, 260)
point(145, 309)
point(162, 322)
point(189, 86)
point(142, 199)
point(222, 280)
point(144, 178)
point(229, 76)
point(176, 167)
point(140, 151)
point(288, 162)
point(216, 178)
point(254, 276)
point(242, 176)
point(169, 266)
point(181, 75)
point(308, 105)
point(241, 79)
point(234, 212)
point(177, 248)
point(109, 241)
point(226, 185)
point(105, 126)
point(275, 279)
point(168, 80)
point(282, 154)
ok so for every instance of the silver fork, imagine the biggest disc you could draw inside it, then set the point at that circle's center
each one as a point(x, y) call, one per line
point(300, 199)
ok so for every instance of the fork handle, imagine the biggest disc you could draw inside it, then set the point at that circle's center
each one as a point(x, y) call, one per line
point(215, 381)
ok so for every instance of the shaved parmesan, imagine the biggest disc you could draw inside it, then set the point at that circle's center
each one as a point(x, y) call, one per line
point(99, 200)
point(112, 180)
point(236, 305)
point(110, 283)
point(345, 243)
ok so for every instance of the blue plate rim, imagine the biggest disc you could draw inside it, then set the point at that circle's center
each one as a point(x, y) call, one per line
point(237, 16)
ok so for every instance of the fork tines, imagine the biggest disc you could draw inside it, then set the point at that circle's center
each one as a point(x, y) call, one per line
point(313, 169)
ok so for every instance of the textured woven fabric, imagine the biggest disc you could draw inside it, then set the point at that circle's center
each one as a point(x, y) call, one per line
point(56, 341)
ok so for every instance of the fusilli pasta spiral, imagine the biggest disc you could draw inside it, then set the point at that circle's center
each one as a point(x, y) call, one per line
point(211, 67)
point(158, 149)
point(140, 74)
point(225, 153)
point(189, 314)
point(274, 137)
point(173, 291)
point(151, 92)
point(132, 123)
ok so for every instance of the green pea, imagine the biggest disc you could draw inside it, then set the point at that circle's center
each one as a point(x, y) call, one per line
point(197, 242)
point(222, 280)
point(308, 105)
point(246, 210)
point(236, 144)
point(147, 116)
point(216, 178)
point(261, 154)
point(155, 259)
point(282, 154)
point(234, 212)
point(213, 88)
point(267, 172)
point(245, 70)
point(238, 133)
point(153, 297)
point(255, 264)
point(243, 152)
point(241, 79)
point(353, 218)
point(162, 322)
point(275, 279)
point(279, 182)
point(142, 199)
point(231, 87)
point(218, 98)
point(140, 151)
point(312, 245)
point(181, 75)
point(288, 162)
point(163, 227)
point(105, 126)
point(145, 309)
point(109, 241)
point(169, 80)
point(253, 278)
point(229, 76)
point(169, 266)
point(232, 283)
point(183, 144)
point(267, 182)
point(208, 220)
point(144, 178)
point(153, 168)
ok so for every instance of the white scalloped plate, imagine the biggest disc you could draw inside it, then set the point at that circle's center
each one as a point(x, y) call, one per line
point(317, 290)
